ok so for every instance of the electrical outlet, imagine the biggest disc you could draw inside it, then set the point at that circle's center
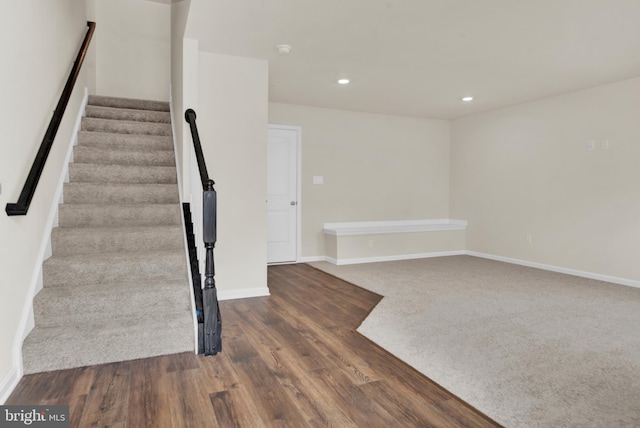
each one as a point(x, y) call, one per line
point(529, 239)
point(605, 144)
point(591, 145)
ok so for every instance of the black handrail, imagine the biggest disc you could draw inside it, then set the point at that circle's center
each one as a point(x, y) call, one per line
point(28, 190)
point(190, 117)
point(211, 342)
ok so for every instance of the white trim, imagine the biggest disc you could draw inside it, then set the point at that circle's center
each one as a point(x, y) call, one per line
point(175, 144)
point(402, 226)
point(184, 228)
point(312, 259)
point(298, 130)
point(559, 269)
point(575, 272)
point(9, 383)
point(26, 323)
point(192, 298)
point(243, 293)
point(377, 259)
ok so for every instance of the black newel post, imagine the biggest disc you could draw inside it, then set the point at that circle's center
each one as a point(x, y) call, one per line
point(210, 329)
point(212, 324)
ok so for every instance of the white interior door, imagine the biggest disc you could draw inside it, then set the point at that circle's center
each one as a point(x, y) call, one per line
point(282, 194)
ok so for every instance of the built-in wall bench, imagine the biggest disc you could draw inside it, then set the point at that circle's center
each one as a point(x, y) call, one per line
point(373, 241)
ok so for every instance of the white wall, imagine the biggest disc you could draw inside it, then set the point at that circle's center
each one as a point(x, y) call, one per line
point(39, 41)
point(232, 123)
point(375, 167)
point(190, 90)
point(526, 170)
point(179, 16)
point(133, 49)
point(90, 58)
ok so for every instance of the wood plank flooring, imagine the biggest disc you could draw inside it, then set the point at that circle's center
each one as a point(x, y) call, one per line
point(289, 360)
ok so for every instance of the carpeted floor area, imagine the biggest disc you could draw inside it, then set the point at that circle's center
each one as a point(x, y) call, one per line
point(527, 347)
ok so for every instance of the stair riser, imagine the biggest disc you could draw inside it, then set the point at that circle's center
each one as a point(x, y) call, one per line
point(71, 215)
point(83, 193)
point(127, 114)
point(120, 127)
point(93, 155)
point(91, 173)
point(52, 349)
point(128, 103)
point(51, 309)
point(66, 241)
point(129, 142)
point(74, 272)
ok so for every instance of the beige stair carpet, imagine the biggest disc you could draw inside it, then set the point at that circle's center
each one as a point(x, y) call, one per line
point(116, 286)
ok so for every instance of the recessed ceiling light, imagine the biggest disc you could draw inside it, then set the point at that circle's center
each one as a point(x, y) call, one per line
point(343, 81)
point(467, 99)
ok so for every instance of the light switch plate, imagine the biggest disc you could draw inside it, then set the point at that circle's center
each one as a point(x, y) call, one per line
point(318, 179)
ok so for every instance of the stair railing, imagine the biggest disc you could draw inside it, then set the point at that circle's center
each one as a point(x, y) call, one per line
point(28, 190)
point(204, 215)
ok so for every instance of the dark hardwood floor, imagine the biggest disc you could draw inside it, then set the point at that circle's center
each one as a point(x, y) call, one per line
point(289, 360)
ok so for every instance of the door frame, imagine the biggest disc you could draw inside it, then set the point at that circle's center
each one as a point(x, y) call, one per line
point(298, 130)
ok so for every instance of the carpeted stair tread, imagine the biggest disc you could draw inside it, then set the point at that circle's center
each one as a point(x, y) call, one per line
point(125, 127)
point(87, 240)
point(108, 193)
point(128, 103)
point(107, 156)
point(133, 174)
point(108, 268)
point(97, 302)
point(106, 341)
point(116, 287)
point(114, 113)
point(99, 215)
point(117, 141)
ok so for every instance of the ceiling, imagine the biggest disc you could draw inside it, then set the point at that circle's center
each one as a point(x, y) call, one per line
point(419, 57)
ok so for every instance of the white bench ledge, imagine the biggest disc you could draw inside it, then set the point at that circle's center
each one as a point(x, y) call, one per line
point(402, 226)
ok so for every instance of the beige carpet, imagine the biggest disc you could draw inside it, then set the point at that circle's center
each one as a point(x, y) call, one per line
point(527, 347)
point(116, 287)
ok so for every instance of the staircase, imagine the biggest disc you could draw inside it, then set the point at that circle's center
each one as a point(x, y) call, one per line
point(116, 286)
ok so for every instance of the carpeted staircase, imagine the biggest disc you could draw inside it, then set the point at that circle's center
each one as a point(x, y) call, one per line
point(116, 286)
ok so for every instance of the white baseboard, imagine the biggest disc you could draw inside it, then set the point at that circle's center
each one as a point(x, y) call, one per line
point(575, 272)
point(9, 383)
point(312, 259)
point(242, 293)
point(394, 258)
point(300, 260)
point(282, 263)
point(559, 269)
point(192, 298)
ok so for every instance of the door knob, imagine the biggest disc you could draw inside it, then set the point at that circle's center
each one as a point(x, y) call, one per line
point(293, 202)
